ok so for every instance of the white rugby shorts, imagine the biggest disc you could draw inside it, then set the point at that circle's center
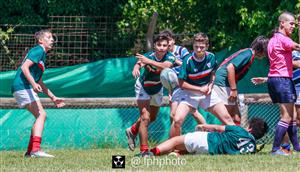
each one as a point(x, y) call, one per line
point(24, 97)
point(196, 142)
point(187, 97)
point(141, 94)
point(218, 94)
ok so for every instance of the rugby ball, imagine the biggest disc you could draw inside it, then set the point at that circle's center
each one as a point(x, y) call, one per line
point(169, 79)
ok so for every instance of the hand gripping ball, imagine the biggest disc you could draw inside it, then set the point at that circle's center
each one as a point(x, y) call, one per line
point(169, 79)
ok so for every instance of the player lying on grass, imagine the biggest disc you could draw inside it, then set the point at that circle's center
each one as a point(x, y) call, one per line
point(216, 139)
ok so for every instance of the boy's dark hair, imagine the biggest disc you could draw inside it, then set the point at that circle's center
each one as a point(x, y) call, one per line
point(260, 44)
point(258, 127)
point(167, 32)
point(160, 37)
point(201, 37)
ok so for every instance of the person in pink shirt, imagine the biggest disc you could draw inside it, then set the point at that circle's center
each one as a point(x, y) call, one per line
point(280, 85)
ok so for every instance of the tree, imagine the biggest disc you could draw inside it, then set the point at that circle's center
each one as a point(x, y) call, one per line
point(229, 24)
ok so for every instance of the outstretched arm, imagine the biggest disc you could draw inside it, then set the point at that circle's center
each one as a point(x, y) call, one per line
point(159, 65)
point(232, 82)
point(59, 102)
point(296, 46)
point(259, 80)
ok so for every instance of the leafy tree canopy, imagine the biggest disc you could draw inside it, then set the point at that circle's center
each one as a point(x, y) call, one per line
point(228, 23)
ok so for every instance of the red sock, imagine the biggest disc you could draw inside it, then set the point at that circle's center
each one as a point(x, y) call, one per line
point(36, 143)
point(155, 151)
point(134, 130)
point(29, 148)
point(238, 123)
point(144, 148)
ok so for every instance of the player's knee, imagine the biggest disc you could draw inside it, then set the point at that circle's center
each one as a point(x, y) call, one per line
point(172, 115)
point(144, 111)
point(42, 115)
point(228, 120)
point(286, 118)
point(177, 122)
point(145, 119)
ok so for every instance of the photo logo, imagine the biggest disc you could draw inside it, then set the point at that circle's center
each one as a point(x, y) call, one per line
point(137, 162)
point(118, 161)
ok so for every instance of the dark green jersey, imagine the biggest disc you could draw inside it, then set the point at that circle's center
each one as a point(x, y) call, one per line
point(37, 55)
point(241, 61)
point(150, 79)
point(234, 140)
point(197, 72)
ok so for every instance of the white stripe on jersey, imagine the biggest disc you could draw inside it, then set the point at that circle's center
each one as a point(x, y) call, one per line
point(151, 82)
point(298, 75)
point(201, 73)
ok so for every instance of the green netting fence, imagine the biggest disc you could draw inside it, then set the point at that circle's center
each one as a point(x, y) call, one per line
point(87, 122)
point(90, 123)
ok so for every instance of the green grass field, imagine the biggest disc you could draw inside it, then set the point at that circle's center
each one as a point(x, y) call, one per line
point(101, 160)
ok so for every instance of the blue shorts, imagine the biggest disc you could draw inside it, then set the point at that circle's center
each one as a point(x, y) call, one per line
point(281, 90)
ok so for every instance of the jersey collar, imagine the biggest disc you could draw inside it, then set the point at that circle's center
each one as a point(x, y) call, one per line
point(197, 59)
